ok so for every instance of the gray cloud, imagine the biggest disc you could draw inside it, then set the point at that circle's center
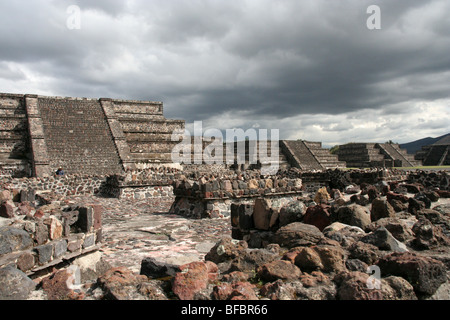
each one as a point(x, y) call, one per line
point(289, 64)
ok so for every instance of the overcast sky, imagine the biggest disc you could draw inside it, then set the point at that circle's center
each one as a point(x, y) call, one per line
point(312, 69)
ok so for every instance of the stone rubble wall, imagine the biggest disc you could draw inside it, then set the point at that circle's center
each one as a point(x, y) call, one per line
point(67, 185)
point(440, 179)
point(211, 195)
point(49, 236)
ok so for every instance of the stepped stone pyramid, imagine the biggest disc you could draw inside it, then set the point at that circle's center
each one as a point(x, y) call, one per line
point(39, 134)
point(367, 155)
point(437, 154)
point(308, 155)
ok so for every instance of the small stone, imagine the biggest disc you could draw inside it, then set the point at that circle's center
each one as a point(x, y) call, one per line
point(55, 228)
point(7, 209)
point(44, 253)
point(322, 196)
point(25, 262)
point(154, 269)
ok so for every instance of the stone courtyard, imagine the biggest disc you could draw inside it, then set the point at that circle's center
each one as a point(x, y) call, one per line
point(138, 229)
point(318, 245)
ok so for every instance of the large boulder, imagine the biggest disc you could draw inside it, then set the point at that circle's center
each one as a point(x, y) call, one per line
point(384, 240)
point(381, 209)
point(343, 233)
point(193, 278)
point(354, 286)
point(354, 215)
point(428, 236)
point(399, 228)
point(120, 283)
point(14, 284)
point(292, 212)
point(423, 273)
point(366, 252)
point(397, 288)
point(318, 216)
point(326, 258)
point(278, 269)
point(297, 234)
point(13, 239)
point(437, 218)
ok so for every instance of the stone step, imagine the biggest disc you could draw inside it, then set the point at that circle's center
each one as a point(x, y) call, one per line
point(79, 139)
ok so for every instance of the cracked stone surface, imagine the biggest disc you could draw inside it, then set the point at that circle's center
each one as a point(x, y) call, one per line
point(137, 229)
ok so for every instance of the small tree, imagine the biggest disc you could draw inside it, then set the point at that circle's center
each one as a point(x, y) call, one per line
point(334, 149)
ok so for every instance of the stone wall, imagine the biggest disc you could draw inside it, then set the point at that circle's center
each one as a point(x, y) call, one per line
point(78, 137)
point(47, 235)
point(155, 182)
point(15, 152)
point(200, 195)
point(211, 197)
point(67, 185)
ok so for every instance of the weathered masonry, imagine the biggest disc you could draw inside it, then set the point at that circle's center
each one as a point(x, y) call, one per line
point(39, 134)
point(436, 154)
point(369, 155)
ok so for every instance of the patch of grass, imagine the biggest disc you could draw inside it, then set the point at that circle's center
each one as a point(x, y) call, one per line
point(406, 168)
point(424, 168)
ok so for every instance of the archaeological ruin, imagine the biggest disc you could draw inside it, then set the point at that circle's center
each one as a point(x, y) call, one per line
point(436, 154)
point(125, 222)
point(369, 155)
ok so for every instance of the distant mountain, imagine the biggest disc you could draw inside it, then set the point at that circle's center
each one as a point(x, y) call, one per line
point(414, 146)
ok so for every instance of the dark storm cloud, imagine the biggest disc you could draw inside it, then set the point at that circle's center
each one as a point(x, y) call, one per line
point(251, 60)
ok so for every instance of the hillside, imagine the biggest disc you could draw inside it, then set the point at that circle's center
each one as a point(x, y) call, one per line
point(414, 146)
